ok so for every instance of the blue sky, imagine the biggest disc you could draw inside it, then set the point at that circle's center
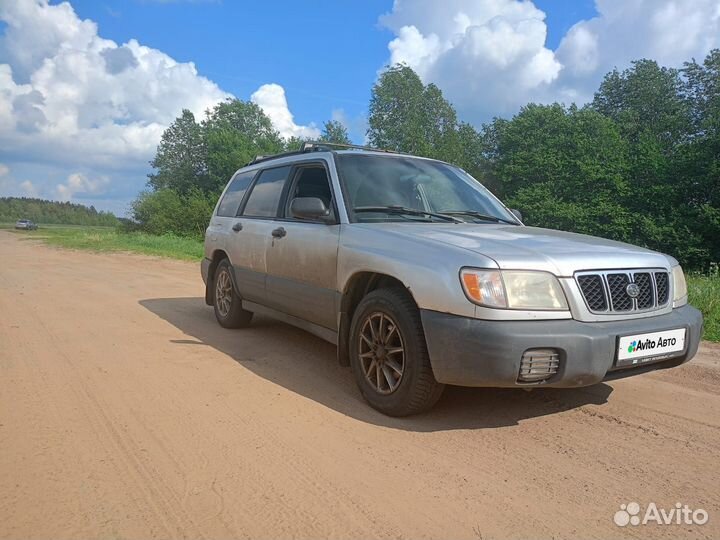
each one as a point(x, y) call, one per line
point(87, 87)
point(324, 53)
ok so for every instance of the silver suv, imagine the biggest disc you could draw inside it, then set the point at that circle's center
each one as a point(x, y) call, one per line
point(423, 278)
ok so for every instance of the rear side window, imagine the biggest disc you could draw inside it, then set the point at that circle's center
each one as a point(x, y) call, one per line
point(234, 194)
point(265, 195)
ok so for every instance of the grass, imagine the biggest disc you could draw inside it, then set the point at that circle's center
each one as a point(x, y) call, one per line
point(704, 290)
point(106, 239)
point(704, 294)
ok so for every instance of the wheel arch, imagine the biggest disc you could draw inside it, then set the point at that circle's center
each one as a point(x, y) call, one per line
point(217, 256)
point(356, 288)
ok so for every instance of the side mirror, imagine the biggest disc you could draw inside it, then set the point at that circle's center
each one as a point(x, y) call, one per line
point(308, 208)
point(516, 213)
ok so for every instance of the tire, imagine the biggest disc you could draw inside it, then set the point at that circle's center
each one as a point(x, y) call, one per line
point(393, 318)
point(226, 301)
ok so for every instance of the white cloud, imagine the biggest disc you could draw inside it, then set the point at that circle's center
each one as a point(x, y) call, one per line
point(490, 57)
point(29, 189)
point(79, 183)
point(4, 170)
point(414, 49)
point(71, 101)
point(486, 55)
point(668, 31)
point(271, 99)
point(83, 99)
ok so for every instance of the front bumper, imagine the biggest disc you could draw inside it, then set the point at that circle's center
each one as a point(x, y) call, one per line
point(474, 352)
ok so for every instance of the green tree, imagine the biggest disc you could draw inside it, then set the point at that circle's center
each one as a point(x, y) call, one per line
point(181, 159)
point(647, 103)
point(565, 168)
point(334, 132)
point(292, 144)
point(645, 99)
point(165, 211)
point(697, 164)
point(235, 132)
point(395, 119)
point(440, 125)
point(472, 154)
point(52, 212)
point(407, 116)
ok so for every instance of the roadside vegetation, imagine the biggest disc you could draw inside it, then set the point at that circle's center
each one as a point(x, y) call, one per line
point(104, 239)
point(704, 294)
point(52, 212)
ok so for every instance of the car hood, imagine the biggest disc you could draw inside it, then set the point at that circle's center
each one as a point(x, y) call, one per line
point(521, 247)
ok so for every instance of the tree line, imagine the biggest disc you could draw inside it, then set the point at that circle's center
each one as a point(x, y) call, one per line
point(53, 212)
point(640, 163)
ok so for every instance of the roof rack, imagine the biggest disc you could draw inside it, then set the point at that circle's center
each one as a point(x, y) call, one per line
point(259, 159)
point(320, 146)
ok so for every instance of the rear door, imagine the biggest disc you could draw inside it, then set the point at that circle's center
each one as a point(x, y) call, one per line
point(219, 233)
point(302, 260)
point(251, 232)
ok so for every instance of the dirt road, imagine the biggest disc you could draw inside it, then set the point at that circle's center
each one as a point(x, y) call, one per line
point(126, 411)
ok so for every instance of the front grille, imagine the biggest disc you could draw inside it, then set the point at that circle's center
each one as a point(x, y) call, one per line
point(607, 291)
point(662, 282)
point(617, 283)
point(646, 298)
point(538, 364)
point(592, 288)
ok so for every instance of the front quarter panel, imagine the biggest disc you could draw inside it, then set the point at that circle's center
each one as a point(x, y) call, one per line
point(428, 269)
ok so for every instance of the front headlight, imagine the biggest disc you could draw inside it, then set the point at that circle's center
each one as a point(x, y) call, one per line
point(513, 289)
point(679, 286)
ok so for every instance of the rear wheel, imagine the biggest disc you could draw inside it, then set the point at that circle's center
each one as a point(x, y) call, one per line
point(388, 354)
point(228, 306)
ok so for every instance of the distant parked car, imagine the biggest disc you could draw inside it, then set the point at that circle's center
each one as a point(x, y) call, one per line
point(25, 224)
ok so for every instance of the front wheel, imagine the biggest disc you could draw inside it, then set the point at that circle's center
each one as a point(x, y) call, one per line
point(388, 354)
point(228, 305)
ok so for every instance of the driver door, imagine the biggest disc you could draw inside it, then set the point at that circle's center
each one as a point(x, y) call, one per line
point(302, 263)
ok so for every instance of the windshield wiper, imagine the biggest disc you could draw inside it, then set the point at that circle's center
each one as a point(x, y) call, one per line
point(479, 215)
point(397, 209)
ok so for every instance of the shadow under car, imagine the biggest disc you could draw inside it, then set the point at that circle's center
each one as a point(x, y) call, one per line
point(307, 365)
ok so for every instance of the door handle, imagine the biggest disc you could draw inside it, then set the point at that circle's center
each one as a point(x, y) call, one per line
point(237, 227)
point(279, 232)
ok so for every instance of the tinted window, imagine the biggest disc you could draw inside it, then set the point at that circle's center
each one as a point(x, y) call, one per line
point(311, 182)
point(234, 195)
point(265, 195)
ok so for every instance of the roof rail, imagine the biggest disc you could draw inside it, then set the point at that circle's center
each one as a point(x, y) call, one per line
point(259, 159)
point(320, 146)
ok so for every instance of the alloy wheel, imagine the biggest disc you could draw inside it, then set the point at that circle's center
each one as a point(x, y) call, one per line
point(382, 352)
point(223, 293)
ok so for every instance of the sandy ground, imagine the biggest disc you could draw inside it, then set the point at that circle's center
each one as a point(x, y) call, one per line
point(127, 412)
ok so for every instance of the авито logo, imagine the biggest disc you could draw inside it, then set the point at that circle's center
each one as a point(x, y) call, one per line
point(681, 514)
point(650, 344)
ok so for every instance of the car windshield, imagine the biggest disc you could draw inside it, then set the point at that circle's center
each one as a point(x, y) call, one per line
point(399, 188)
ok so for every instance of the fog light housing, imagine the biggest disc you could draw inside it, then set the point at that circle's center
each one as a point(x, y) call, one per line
point(538, 365)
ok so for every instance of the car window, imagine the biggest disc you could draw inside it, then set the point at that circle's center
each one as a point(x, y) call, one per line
point(311, 182)
point(234, 194)
point(379, 181)
point(265, 195)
